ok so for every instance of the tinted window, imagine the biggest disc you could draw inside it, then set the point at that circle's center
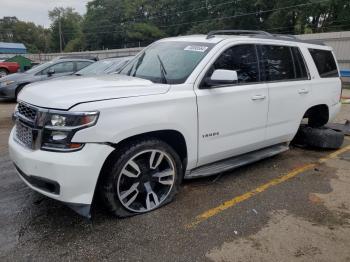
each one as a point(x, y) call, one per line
point(82, 64)
point(276, 63)
point(38, 68)
point(300, 68)
point(241, 58)
point(325, 63)
point(65, 67)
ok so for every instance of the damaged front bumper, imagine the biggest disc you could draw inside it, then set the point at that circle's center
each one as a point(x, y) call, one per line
point(67, 177)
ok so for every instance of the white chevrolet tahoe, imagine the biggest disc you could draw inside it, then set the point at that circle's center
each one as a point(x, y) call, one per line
point(184, 107)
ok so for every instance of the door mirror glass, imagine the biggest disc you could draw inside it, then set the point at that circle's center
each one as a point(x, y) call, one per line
point(51, 71)
point(223, 77)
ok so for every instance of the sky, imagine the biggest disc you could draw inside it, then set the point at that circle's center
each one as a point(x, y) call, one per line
point(37, 10)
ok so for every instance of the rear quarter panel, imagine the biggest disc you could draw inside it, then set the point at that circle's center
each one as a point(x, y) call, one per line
point(324, 90)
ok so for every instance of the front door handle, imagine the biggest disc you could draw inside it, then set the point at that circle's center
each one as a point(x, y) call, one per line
point(258, 97)
point(303, 91)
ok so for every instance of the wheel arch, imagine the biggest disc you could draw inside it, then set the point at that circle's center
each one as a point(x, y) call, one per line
point(317, 115)
point(5, 68)
point(172, 137)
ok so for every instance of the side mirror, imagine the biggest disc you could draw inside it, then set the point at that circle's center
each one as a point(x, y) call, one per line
point(222, 77)
point(51, 72)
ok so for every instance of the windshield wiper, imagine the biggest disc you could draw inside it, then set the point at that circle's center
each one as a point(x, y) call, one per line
point(139, 62)
point(162, 71)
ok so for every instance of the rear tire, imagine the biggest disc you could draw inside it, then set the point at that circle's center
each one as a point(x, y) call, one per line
point(320, 137)
point(143, 176)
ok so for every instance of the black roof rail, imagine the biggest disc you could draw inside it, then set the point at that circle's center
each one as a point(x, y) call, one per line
point(212, 34)
point(264, 35)
point(292, 38)
point(285, 36)
point(87, 57)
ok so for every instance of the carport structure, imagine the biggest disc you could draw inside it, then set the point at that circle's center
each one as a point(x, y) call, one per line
point(12, 48)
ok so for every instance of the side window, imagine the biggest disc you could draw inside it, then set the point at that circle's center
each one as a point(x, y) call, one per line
point(276, 63)
point(82, 64)
point(241, 58)
point(64, 67)
point(325, 63)
point(301, 71)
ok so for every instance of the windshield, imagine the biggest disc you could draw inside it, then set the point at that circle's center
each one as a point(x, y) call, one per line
point(167, 62)
point(101, 67)
point(38, 68)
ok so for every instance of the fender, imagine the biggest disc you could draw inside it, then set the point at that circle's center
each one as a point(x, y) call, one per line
point(11, 67)
point(124, 118)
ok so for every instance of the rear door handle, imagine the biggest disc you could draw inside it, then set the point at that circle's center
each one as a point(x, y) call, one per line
point(303, 91)
point(258, 97)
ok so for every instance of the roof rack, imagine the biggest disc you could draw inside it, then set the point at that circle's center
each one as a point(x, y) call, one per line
point(263, 35)
point(212, 34)
point(88, 57)
point(285, 36)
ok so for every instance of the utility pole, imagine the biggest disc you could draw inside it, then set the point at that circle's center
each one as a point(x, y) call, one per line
point(60, 31)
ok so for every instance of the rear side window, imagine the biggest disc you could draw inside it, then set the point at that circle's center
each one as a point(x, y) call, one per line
point(240, 58)
point(276, 63)
point(301, 71)
point(325, 63)
point(82, 64)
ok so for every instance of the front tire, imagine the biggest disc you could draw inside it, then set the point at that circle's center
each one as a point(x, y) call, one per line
point(143, 176)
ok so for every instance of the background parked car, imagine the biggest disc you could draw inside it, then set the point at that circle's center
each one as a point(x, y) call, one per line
point(88, 57)
point(105, 66)
point(11, 85)
point(8, 68)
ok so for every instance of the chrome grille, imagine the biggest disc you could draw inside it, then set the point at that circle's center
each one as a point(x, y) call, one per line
point(24, 135)
point(27, 111)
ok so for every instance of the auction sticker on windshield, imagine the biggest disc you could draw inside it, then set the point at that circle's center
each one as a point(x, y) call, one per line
point(196, 48)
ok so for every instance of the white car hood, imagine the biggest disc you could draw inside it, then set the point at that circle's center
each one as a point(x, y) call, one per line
point(65, 92)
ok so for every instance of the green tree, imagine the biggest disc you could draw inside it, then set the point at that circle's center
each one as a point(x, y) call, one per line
point(125, 23)
point(103, 24)
point(116, 24)
point(35, 38)
point(70, 34)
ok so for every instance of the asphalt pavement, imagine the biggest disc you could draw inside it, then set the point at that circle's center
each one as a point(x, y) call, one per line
point(291, 207)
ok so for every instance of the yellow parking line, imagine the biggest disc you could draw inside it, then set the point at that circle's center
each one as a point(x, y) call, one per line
point(274, 182)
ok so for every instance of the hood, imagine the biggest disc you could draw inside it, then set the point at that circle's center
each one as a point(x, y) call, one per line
point(65, 92)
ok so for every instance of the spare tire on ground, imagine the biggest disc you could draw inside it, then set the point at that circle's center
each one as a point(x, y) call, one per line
point(320, 137)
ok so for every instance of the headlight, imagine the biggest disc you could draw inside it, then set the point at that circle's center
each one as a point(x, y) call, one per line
point(60, 127)
point(6, 83)
point(74, 120)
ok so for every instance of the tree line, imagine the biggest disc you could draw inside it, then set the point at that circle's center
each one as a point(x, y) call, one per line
point(128, 23)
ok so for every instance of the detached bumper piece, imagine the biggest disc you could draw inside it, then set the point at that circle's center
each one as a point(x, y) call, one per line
point(81, 209)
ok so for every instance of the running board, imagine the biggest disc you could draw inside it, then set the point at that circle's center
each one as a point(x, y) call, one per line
point(235, 162)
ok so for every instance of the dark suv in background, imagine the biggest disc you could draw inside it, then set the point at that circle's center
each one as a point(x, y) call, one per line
point(11, 85)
